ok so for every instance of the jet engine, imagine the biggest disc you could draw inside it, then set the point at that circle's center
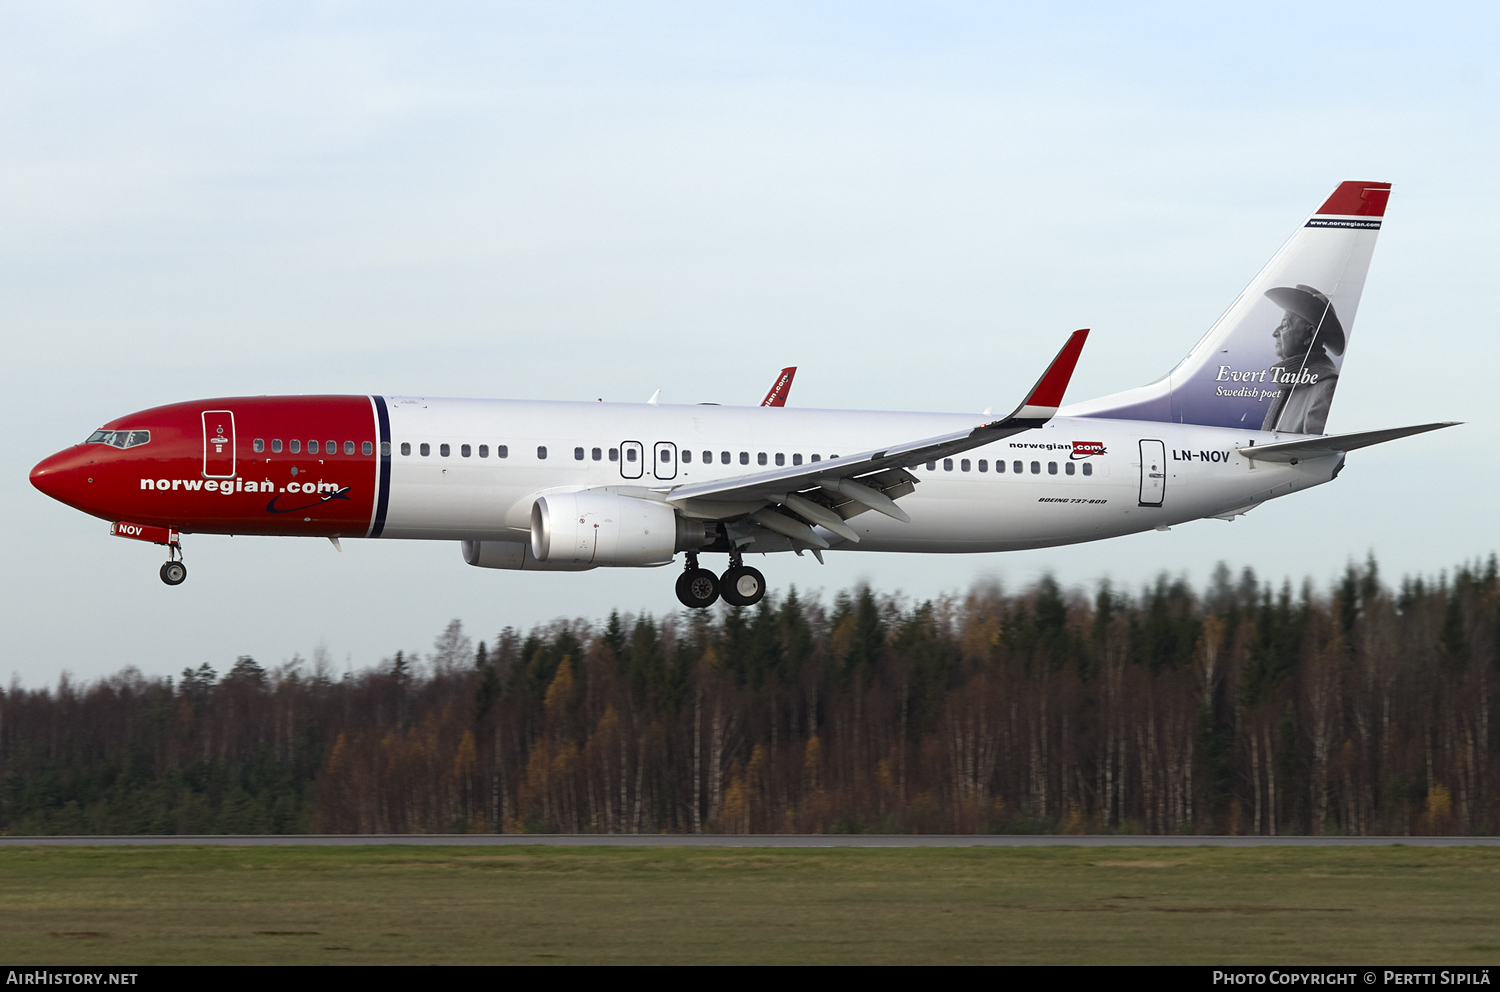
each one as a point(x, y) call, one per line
point(607, 529)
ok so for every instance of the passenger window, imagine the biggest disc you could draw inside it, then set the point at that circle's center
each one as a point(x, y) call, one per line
point(1052, 468)
point(444, 450)
point(1069, 468)
point(502, 451)
point(724, 457)
point(484, 451)
point(630, 454)
point(817, 458)
point(780, 458)
point(312, 448)
point(932, 466)
point(260, 444)
point(348, 447)
point(708, 458)
point(797, 459)
point(578, 454)
point(1036, 468)
point(541, 452)
point(425, 449)
point(1016, 467)
point(294, 446)
point(333, 448)
point(744, 458)
point(984, 466)
point(947, 464)
point(760, 459)
point(598, 454)
point(366, 448)
point(406, 447)
point(687, 456)
point(614, 454)
point(276, 445)
point(1088, 469)
point(963, 466)
point(666, 455)
point(465, 451)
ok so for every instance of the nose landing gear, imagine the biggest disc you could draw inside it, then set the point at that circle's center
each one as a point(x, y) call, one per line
point(174, 572)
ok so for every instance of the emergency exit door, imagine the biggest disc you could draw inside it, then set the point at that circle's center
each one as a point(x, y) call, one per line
point(631, 461)
point(218, 444)
point(664, 462)
point(1153, 472)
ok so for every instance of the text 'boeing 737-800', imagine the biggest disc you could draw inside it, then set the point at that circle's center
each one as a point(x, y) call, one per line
point(570, 486)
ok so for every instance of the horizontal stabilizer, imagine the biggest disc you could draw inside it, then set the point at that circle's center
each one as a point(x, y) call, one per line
point(1316, 447)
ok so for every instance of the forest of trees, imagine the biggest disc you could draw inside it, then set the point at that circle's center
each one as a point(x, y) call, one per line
point(1241, 708)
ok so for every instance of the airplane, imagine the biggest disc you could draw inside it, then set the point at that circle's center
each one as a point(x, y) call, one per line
point(572, 486)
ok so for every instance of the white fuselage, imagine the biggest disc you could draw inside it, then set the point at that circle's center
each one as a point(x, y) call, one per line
point(953, 510)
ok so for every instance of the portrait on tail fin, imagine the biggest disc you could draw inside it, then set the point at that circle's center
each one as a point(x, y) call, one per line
point(1304, 369)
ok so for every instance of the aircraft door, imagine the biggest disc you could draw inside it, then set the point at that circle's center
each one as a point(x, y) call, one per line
point(1153, 472)
point(664, 460)
point(218, 444)
point(632, 460)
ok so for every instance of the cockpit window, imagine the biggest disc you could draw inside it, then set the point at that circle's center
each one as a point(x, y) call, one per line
point(119, 439)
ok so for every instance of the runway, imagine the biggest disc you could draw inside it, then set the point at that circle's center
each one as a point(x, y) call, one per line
point(735, 840)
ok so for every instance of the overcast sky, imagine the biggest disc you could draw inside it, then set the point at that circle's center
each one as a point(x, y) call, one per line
point(912, 202)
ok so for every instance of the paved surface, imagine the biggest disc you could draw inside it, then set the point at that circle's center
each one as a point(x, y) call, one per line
point(741, 840)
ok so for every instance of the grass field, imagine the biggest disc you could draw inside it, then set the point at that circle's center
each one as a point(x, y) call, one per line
point(404, 905)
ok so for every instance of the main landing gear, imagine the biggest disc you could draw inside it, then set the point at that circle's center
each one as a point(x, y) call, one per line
point(740, 585)
point(174, 572)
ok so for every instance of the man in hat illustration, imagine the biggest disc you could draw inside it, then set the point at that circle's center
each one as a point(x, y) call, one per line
point(1308, 331)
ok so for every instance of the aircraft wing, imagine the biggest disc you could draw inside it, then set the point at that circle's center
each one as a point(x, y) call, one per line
point(869, 477)
point(1316, 447)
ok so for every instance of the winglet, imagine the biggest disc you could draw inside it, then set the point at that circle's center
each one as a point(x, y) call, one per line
point(1046, 396)
point(781, 388)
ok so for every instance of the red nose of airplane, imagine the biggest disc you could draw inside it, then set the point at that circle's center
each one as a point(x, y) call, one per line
point(66, 476)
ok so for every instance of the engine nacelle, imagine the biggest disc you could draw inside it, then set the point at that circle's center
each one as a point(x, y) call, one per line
point(606, 529)
point(513, 555)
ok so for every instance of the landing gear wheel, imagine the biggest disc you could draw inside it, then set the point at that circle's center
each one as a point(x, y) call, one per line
point(173, 573)
point(698, 588)
point(742, 585)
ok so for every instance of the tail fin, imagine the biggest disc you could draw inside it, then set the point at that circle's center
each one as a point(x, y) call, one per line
point(1272, 361)
point(781, 388)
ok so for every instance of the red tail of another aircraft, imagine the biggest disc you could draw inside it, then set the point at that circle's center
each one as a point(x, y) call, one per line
point(777, 395)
